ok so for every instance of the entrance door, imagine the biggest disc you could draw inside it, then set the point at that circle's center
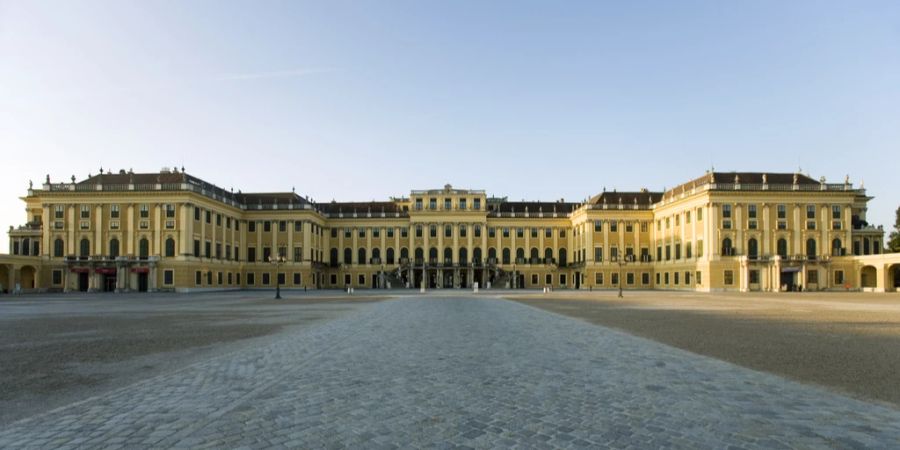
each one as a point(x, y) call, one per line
point(374, 281)
point(142, 282)
point(578, 280)
point(83, 281)
point(448, 279)
point(109, 283)
point(787, 280)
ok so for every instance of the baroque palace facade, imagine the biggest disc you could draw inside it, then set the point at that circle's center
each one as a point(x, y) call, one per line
point(128, 231)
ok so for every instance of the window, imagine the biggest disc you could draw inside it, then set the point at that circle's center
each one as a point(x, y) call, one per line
point(432, 203)
point(687, 278)
point(251, 254)
point(548, 233)
point(334, 233)
point(198, 278)
point(678, 250)
point(644, 227)
point(615, 279)
point(645, 278)
point(114, 211)
point(462, 203)
point(726, 211)
point(477, 230)
point(753, 248)
point(687, 250)
point(562, 233)
point(57, 277)
point(506, 232)
point(729, 277)
point(810, 211)
point(562, 279)
point(676, 275)
point(85, 248)
point(812, 276)
point(782, 248)
point(361, 279)
point(432, 230)
point(298, 226)
point(811, 249)
point(782, 211)
point(267, 226)
point(534, 279)
point(418, 204)
point(85, 212)
point(462, 230)
point(751, 211)
point(598, 254)
point(59, 212)
point(197, 215)
point(677, 220)
point(297, 279)
point(520, 232)
point(58, 248)
point(629, 227)
point(476, 204)
point(598, 278)
point(492, 232)
point(598, 226)
point(447, 204)
point(614, 226)
point(266, 278)
point(687, 217)
point(698, 277)
point(754, 276)
point(727, 249)
point(418, 231)
point(251, 279)
point(390, 232)
point(298, 253)
point(629, 278)
point(838, 277)
point(404, 232)
point(448, 231)
point(376, 232)
point(699, 214)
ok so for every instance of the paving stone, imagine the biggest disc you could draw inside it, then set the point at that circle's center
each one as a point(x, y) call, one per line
point(462, 373)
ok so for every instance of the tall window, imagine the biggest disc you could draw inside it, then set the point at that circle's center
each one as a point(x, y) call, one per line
point(85, 248)
point(114, 211)
point(145, 211)
point(727, 249)
point(752, 248)
point(144, 248)
point(170, 247)
point(113, 248)
point(58, 248)
point(811, 248)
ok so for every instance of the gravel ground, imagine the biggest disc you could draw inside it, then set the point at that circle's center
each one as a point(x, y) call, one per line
point(58, 349)
point(849, 342)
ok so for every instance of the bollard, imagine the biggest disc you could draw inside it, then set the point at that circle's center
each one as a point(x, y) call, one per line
point(475, 288)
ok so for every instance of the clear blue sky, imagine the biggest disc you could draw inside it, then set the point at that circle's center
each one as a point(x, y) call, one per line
point(362, 100)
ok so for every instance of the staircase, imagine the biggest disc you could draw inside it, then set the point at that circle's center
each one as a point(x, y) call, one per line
point(503, 280)
point(393, 277)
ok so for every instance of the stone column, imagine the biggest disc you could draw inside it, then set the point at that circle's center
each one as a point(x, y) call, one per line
point(71, 227)
point(98, 230)
point(45, 231)
point(290, 244)
point(184, 230)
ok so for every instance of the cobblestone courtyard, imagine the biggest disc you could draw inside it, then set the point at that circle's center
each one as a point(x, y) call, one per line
point(451, 371)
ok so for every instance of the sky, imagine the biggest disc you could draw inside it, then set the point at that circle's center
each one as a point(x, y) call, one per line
point(362, 100)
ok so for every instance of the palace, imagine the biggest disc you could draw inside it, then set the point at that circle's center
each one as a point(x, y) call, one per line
point(124, 231)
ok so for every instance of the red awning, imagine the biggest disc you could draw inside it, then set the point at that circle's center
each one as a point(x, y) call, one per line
point(106, 270)
point(81, 270)
point(140, 269)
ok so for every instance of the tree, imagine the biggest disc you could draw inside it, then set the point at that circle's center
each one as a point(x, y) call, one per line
point(894, 238)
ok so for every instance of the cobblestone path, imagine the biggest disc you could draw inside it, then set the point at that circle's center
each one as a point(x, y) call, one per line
point(461, 372)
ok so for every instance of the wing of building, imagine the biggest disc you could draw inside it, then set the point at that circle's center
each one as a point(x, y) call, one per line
point(128, 231)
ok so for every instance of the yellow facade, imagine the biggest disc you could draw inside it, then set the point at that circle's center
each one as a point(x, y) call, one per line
point(171, 231)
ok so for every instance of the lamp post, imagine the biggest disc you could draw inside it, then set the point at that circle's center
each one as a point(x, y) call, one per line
point(622, 262)
point(277, 261)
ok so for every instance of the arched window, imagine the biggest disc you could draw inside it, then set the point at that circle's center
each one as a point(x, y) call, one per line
point(752, 248)
point(376, 253)
point(448, 255)
point(59, 248)
point(390, 255)
point(85, 248)
point(727, 249)
point(562, 257)
point(144, 248)
point(404, 254)
point(333, 256)
point(348, 255)
point(170, 247)
point(535, 255)
point(836, 248)
point(361, 256)
point(432, 255)
point(113, 248)
point(811, 248)
point(782, 248)
point(520, 255)
point(548, 255)
point(26, 246)
point(492, 255)
point(866, 244)
point(476, 255)
point(463, 255)
point(505, 256)
point(420, 255)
